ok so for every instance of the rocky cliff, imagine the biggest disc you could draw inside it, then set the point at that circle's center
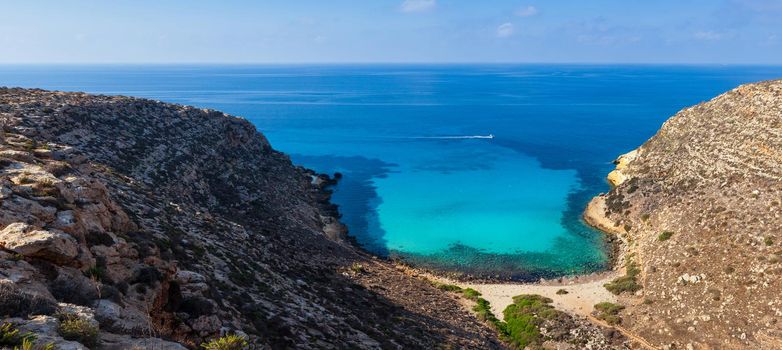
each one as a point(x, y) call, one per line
point(699, 205)
point(164, 226)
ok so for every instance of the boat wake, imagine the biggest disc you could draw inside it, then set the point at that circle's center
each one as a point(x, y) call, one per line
point(456, 137)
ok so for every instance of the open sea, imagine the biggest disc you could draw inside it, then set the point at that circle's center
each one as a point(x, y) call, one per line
point(482, 169)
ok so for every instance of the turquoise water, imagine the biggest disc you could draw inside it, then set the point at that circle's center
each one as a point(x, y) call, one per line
point(422, 182)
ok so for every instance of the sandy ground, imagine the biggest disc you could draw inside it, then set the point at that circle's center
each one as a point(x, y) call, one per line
point(583, 293)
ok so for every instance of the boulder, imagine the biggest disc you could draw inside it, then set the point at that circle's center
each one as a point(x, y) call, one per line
point(207, 324)
point(72, 286)
point(20, 209)
point(18, 302)
point(54, 245)
point(191, 283)
point(22, 274)
point(115, 318)
point(18, 155)
point(187, 277)
point(45, 330)
point(82, 312)
point(65, 221)
point(111, 341)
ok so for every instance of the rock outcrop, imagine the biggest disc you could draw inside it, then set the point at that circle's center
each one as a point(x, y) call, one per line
point(700, 204)
point(166, 226)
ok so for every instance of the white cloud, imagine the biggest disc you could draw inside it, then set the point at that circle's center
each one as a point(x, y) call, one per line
point(528, 11)
point(709, 35)
point(418, 5)
point(505, 30)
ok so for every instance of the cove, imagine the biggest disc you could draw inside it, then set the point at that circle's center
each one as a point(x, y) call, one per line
point(421, 181)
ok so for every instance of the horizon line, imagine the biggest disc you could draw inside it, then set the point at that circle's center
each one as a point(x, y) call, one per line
point(405, 63)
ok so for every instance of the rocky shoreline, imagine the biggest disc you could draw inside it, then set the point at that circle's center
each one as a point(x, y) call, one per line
point(461, 277)
point(141, 222)
point(616, 249)
point(698, 205)
point(594, 216)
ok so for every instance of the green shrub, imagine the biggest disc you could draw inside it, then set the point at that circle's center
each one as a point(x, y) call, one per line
point(664, 236)
point(228, 342)
point(482, 306)
point(45, 182)
point(97, 273)
point(523, 330)
point(73, 327)
point(30, 144)
point(449, 287)
point(632, 269)
point(471, 294)
point(483, 309)
point(609, 308)
point(609, 312)
point(524, 317)
point(623, 284)
point(626, 283)
point(357, 268)
point(25, 179)
point(644, 217)
point(562, 292)
point(11, 336)
point(769, 241)
point(29, 344)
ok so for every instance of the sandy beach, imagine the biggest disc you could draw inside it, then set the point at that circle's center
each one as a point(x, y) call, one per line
point(583, 292)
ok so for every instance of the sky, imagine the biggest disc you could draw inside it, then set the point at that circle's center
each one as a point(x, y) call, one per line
point(391, 31)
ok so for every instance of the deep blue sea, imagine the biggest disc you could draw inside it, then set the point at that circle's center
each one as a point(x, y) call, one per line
point(423, 181)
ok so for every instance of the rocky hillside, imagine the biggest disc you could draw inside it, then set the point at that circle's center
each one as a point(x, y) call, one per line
point(700, 204)
point(164, 226)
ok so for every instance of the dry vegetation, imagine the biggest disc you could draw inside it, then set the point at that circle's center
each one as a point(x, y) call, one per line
point(700, 205)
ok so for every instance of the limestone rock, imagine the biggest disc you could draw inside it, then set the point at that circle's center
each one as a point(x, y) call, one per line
point(53, 245)
point(111, 341)
point(45, 330)
point(19, 300)
point(616, 177)
point(122, 320)
point(712, 179)
point(83, 312)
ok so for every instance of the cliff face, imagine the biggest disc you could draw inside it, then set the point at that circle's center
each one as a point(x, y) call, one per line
point(700, 205)
point(157, 221)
